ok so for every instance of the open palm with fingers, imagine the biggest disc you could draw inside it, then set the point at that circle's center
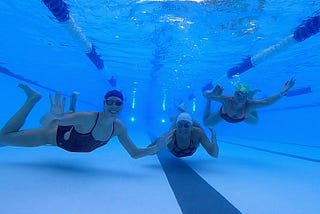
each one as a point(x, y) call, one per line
point(57, 105)
point(289, 84)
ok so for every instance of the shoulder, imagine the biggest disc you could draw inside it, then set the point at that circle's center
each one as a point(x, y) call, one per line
point(254, 103)
point(199, 135)
point(228, 98)
point(197, 132)
point(82, 117)
point(225, 100)
point(84, 114)
point(119, 123)
point(119, 127)
point(82, 121)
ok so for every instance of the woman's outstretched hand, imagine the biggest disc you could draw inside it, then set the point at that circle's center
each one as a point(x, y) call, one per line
point(215, 92)
point(289, 84)
point(57, 105)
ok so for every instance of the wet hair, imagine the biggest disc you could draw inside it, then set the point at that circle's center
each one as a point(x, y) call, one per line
point(114, 93)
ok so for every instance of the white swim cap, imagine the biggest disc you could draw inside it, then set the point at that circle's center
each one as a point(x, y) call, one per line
point(184, 116)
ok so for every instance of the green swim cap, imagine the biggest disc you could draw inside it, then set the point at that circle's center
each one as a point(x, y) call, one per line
point(243, 87)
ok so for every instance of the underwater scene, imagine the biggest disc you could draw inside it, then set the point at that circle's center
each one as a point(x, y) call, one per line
point(153, 106)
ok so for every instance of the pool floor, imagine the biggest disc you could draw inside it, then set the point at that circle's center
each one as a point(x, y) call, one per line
point(249, 177)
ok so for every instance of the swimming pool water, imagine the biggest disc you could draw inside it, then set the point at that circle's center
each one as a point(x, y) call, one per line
point(162, 53)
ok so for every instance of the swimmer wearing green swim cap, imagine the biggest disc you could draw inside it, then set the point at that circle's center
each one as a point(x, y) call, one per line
point(243, 87)
point(239, 107)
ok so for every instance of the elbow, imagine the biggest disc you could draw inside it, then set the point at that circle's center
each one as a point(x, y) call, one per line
point(139, 153)
point(135, 155)
point(215, 155)
point(214, 152)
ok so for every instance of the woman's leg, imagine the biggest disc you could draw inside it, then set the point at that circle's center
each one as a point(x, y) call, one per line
point(210, 119)
point(17, 121)
point(11, 135)
point(30, 138)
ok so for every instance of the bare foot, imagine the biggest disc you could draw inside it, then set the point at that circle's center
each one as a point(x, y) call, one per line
point(75, 94)
point(209, 93)
point(206, 93)
point(31, 94)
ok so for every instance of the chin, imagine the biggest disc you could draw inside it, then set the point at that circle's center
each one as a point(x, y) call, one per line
point(114, 114)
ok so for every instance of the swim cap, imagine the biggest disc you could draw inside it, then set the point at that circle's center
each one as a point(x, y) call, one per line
point(243, 87)
point(114, 93)
point(184, 116)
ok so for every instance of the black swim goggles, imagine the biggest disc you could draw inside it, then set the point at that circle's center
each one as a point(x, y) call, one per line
point(181, 124)
point(241, 94)
point(113, 102)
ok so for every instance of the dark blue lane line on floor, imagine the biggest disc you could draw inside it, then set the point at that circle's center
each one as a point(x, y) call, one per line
point(22, 78)
point(313, 105)
point(192, 192)
point(19, 77)
point(273, 152)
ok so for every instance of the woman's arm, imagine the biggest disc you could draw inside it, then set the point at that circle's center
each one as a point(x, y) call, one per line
point(128, 144)
point(216, 94)
point(212, 147)
point(164, 139)
point(57, 107)
point(253, 104)
point(83, 122)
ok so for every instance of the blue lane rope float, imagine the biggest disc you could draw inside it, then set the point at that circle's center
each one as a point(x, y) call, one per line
point(306, 29)
point(299, 91)
point(113, 82)
point(60, 10)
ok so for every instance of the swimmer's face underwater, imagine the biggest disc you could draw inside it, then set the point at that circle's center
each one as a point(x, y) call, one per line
point(241, 96)
point(113, 105)
point(184, 127)
point(241, 93)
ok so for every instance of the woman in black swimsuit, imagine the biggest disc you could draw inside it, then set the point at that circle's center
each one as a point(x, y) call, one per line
point(75, 132)
point(239, 107)
point(185, 136)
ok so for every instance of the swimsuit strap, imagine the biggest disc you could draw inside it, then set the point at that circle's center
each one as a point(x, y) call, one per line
point(229, 106)
point(179, 152)
point(244, 115)
point(111, 132)
point(95, 123)
point(177, 146)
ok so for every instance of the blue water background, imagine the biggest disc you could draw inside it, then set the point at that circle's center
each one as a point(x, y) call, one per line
point(165, 51)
